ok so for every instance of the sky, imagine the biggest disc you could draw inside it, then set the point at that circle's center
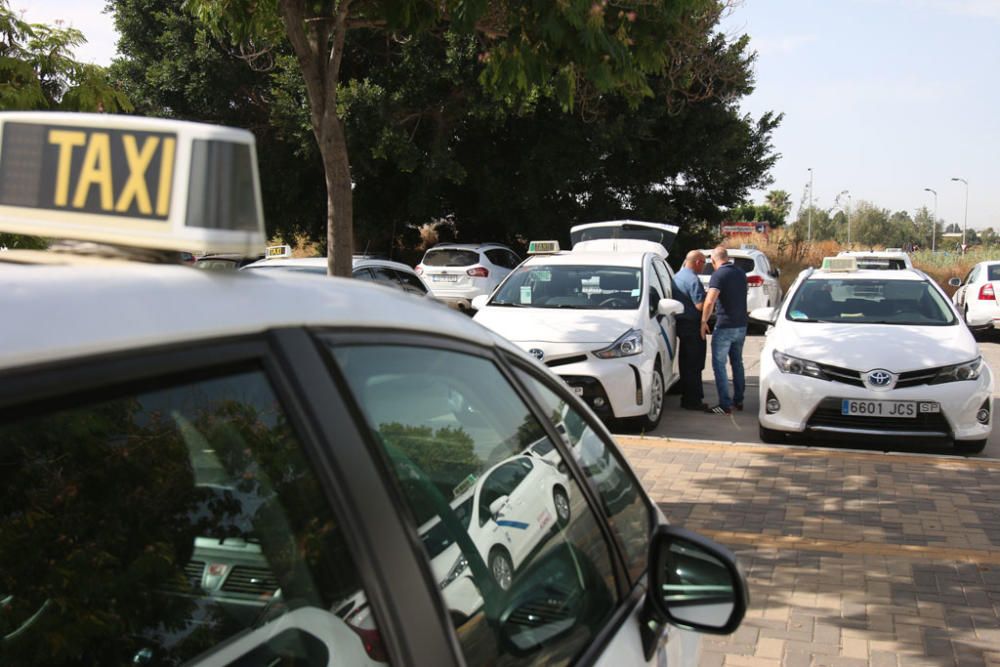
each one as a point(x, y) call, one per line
point(881, 98)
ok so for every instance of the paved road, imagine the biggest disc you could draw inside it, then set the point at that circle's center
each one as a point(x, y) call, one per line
point(742, 426)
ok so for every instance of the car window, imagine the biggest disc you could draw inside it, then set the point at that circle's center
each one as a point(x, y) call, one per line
point(450, 257)
point(666, 280)
point(586, 287)
point(619, 490)
point(526, 574)
point(410, 282)
point(172, 521)
point(870, 301)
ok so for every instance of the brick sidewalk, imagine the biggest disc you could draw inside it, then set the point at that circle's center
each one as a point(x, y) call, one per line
point(853, 558)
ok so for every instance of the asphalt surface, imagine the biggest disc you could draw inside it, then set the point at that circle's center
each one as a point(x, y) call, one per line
point(743, 426)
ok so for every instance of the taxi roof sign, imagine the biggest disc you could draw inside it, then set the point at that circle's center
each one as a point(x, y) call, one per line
point(542, 247)
point(838, 264)
point(130, 181)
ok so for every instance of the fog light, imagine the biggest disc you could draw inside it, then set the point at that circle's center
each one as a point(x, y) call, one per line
point(598, 402)
point(983, 416)
point(772, 404)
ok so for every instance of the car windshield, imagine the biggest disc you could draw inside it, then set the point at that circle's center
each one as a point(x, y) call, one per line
point(745, 264)
point(869, 301)
point(451, 257)
point(580, 287)
point(316, 270)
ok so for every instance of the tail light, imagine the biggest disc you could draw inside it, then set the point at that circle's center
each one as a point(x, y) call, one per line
point(986, 292)
point(479, 272)
point(419, 269)
point(755, 281)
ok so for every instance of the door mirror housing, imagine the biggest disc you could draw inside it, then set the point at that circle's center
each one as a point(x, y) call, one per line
point(497, 506)
point(479, 302)
point(766, 315)
point(955, 282)
point(669, 307)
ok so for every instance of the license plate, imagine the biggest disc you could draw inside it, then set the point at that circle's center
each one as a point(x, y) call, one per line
point(444, 279)
point(578, 391)
point(864, 408)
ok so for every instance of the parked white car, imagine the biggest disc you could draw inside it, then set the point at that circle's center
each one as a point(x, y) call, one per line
point(363, 267)
point(763, 288)
point(976, 296)
point(459, 272)
point(600, 317)
point(868, 353)
point(890, 259)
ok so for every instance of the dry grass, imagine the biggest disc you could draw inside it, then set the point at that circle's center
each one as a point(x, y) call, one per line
point(793, 255)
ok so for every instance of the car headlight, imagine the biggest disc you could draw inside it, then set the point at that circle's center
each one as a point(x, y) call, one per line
point(969, 370)
point(455, 572)
point(789, 364)
point(627, 345)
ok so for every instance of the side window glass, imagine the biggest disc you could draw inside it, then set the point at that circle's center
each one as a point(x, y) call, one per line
point(513, 545)
point(623, 503)
point(172, 522)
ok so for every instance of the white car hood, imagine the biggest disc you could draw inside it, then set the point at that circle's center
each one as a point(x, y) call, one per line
point(554, 325)
point(863, 347)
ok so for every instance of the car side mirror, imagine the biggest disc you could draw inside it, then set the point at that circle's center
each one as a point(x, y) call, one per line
point(694, 583)
point(765, 315)
point(497, 506)
point(955, 282)
point(669, 307)
point(479, 301)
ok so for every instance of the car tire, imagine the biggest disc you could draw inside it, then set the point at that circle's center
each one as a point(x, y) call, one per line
point(657, 396)
point(501, 567)
point(560, 499)
point(771, 436)
point(970, 446)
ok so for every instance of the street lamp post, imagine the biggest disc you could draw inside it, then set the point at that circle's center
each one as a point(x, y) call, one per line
point(933, 220)
point(965, 221)
point(809, 233)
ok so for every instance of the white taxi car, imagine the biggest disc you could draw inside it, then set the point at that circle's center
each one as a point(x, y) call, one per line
point(601, 316)
point(976, 296)
point(869, 353)
point(208, 468)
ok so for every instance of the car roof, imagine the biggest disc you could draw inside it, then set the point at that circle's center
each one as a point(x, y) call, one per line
point(357, 261)
point(105, 306)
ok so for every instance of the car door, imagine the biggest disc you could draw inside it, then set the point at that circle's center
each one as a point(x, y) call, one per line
point(661, 276)
point(225, 538)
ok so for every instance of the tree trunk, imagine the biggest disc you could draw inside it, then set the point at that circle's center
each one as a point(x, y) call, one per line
point(339, 196)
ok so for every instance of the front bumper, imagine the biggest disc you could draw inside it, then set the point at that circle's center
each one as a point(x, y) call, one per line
point(811, 405)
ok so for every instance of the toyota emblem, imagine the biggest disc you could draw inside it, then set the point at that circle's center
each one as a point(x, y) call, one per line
point(536, 353)
point(879, 378)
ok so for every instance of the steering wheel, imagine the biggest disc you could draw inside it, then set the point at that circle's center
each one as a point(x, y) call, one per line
point(613, 299)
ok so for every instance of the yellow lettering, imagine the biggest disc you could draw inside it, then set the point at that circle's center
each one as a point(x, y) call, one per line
point(66, 140)
point(166, 176)
point(135, 186)
point(96, 170)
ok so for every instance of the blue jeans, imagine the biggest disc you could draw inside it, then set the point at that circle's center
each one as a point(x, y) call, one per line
point(728, 343)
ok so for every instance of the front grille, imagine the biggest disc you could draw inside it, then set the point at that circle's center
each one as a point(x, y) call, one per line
point(566, 360)
point(827, 415)
point(844, 375)
point(250, 581)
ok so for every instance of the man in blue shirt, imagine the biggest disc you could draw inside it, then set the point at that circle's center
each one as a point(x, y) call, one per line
point(691, 349)
point(727, 289)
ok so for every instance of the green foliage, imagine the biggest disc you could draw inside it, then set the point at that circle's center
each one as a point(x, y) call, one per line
point(38, 71)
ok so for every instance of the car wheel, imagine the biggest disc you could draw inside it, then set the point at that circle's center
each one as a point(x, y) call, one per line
point(772, 437)
point(970, 446)
point(501, 567)
point(561, 501)
point(652, 418)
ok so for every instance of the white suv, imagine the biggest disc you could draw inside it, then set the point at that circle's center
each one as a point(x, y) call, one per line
point(763, 288)
point(459, 272)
